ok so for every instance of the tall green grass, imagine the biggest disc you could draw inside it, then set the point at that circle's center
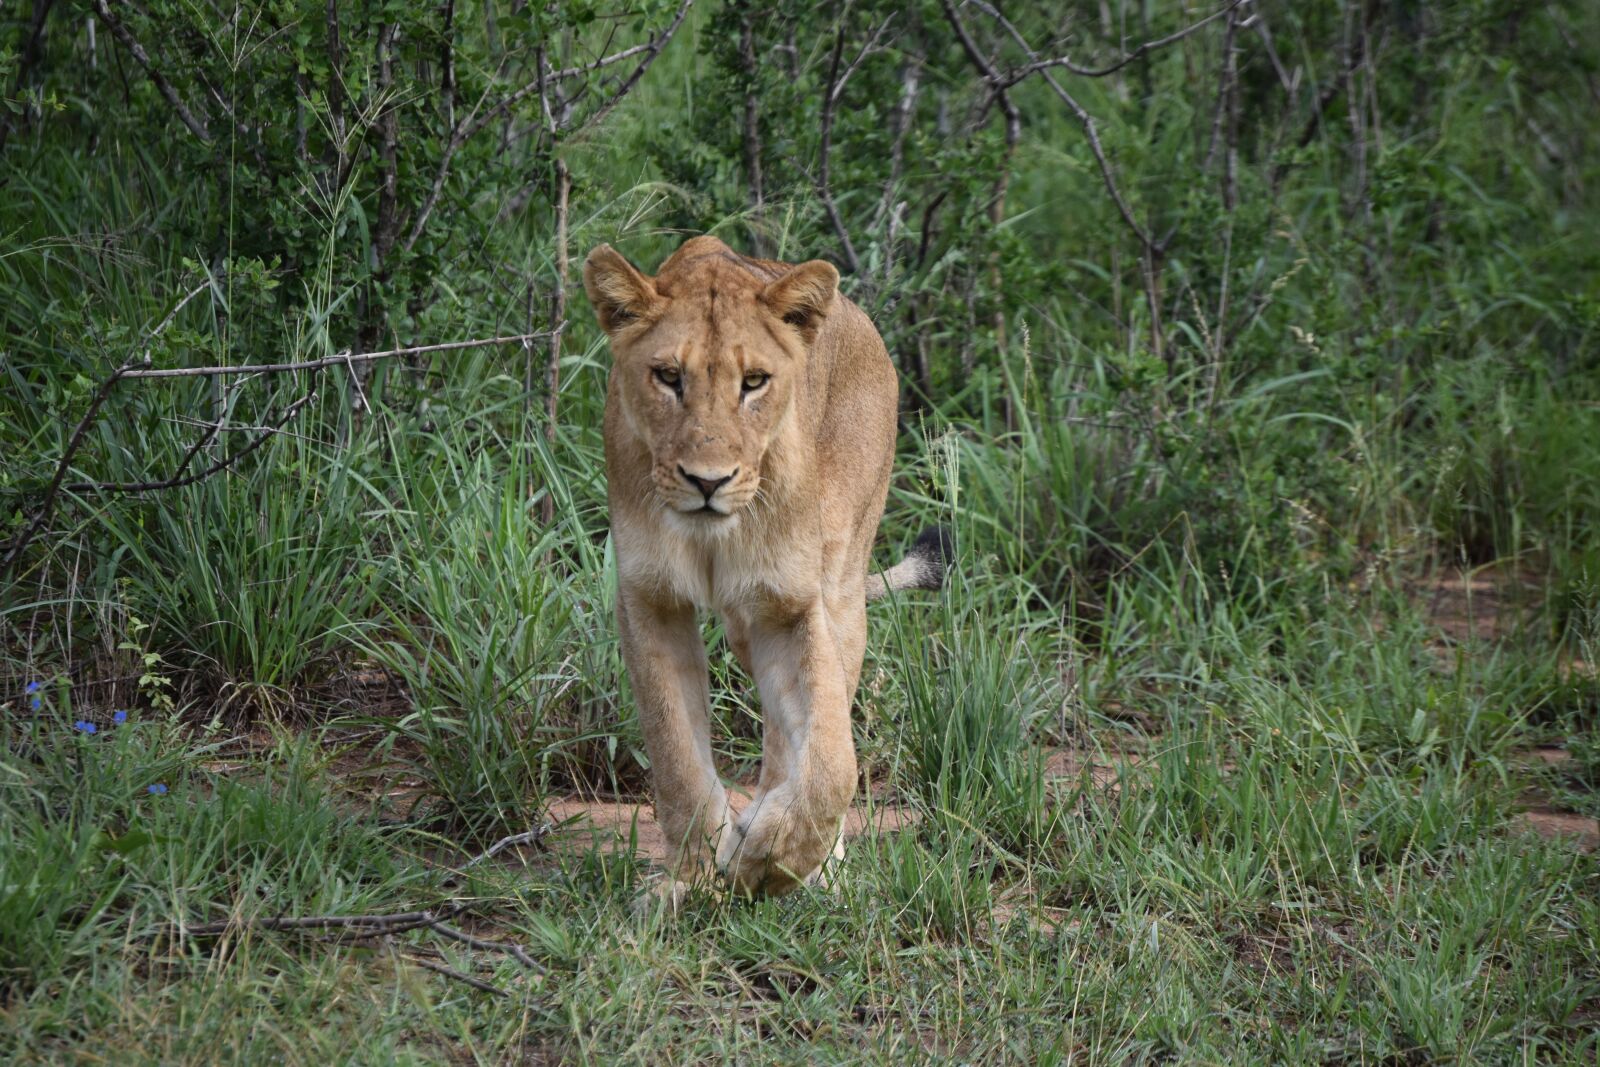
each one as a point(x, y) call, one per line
point(502, 642)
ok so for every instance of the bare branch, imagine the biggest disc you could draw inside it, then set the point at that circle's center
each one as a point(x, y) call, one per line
point(1153, 248)
point(23, 539)
point(910, 78)
point(340, 359)
point(1086, 120)
point(558, 314)
point(447, 64)
point(1036, 64)
point(121, 32)
point(650, 55)
point(358, 925)
point(512, 99)
point(752, 130)
point(527, 837)
point(364, 926)
point(825, 154)
point(181, 479)
point(452, 973)
point(20, 543)
point(167, 319)
point(478, 119)
point(388, 227)
point(31, 51)
point(1225, 119)
point(868, 47)
point(1002, 182)
point(1354, 59)
point(134, 369)
point(336, 94)
point(509, 948)
point(458, 137)
point(1256, 21)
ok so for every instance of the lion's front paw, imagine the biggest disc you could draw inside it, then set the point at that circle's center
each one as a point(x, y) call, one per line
point(665, 897)
point(729, 845)
point(777, 849)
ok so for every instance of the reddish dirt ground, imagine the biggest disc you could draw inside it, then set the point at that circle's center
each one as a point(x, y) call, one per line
point(1475, 607)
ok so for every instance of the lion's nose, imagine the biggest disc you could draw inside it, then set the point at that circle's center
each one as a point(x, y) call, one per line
point(708, 486)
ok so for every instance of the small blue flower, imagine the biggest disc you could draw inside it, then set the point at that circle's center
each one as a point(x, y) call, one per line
point(119, 717)
point(156, 788)
point(85, 726)
point(33, 692)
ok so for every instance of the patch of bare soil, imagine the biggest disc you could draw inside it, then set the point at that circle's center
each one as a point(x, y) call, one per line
point(1547, 820)
point(1474, 604)
point(1072, 764)
point(1582, 831)
point(1484, 605)
point(612, 826)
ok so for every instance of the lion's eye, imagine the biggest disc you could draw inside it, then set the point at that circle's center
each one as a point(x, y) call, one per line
point(669, 377)
point(754, 381)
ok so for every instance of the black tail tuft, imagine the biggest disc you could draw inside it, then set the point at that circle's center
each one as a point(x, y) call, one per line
point(935, 545)
point(924, 566)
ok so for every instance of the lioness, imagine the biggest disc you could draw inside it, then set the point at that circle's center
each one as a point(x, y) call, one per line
point(749, 431)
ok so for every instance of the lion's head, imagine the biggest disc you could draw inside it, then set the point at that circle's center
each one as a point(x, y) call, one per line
point(708, 357)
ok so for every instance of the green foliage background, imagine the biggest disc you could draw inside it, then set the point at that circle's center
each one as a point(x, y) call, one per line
point(1198, 464)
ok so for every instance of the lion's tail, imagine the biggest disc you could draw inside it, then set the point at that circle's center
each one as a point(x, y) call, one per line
point(924, 566)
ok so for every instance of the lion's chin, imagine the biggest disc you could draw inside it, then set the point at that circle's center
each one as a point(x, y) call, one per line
point(702, 521)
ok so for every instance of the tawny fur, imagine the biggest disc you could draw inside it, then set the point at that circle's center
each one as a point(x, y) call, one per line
point(780, 550)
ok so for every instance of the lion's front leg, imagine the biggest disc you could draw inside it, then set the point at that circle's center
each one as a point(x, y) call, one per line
point(666, 662)
point(808, 760)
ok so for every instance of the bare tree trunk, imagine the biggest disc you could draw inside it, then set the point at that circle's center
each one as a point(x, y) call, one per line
point(752, 135)
point(558, 315)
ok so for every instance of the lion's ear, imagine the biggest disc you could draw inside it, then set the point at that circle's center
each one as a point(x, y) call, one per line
point(804, 296)
point(619, 293)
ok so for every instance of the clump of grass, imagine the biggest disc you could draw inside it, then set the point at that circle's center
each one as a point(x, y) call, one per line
point(249, 581)
point(975, 690)
point(502, 652)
